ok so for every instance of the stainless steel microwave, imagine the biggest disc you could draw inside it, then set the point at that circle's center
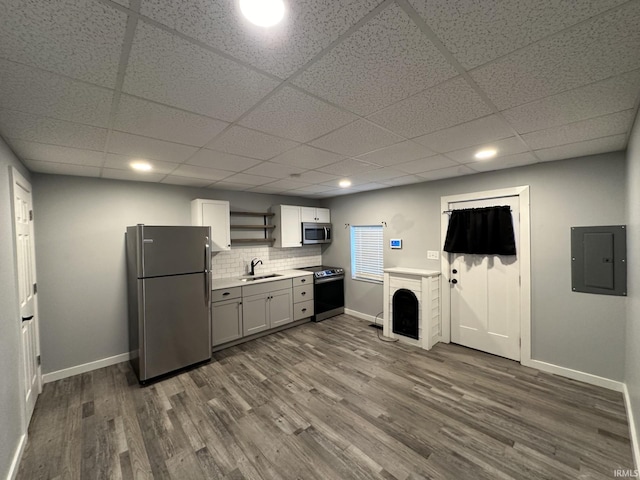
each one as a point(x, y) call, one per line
point(313, 233)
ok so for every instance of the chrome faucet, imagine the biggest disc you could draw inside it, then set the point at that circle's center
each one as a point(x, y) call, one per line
point(254, 263)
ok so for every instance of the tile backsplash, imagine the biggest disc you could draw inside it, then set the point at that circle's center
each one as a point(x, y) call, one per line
point(235, 262)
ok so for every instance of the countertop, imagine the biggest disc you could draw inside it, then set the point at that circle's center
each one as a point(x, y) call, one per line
point(412, 271)
point(218, 283)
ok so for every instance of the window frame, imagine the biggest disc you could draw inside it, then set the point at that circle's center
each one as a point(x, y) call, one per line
point(356, 266)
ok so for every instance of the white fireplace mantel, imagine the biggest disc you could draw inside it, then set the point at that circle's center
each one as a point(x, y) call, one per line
point(425, 284)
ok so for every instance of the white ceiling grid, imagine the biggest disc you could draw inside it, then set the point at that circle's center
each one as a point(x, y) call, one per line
point(384, 92)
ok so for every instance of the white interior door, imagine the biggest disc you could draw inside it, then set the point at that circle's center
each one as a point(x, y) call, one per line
point(485, 293)
point(23, 221)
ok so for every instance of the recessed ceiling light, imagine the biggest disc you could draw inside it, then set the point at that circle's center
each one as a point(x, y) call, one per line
point(264, 13)
point(484, 154)
point(345, 183)
point(141, 166)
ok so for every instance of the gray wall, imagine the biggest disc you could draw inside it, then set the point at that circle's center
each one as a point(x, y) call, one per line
point(11, 412)
point(80, 253)
point(632, 360)
point(574, 330)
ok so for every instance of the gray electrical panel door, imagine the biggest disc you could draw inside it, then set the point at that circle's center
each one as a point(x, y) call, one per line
point(599, 260)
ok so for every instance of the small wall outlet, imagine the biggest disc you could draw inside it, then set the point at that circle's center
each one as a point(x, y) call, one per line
point(433, 254)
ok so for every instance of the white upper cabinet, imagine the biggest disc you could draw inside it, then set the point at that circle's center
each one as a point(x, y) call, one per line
point(214, 214)
point(288, 222)
point(315, 215)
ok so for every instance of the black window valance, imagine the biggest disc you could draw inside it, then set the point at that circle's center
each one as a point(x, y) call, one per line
point(487, 231)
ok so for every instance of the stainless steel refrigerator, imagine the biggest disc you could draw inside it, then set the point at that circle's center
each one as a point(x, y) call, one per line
point(169, 289)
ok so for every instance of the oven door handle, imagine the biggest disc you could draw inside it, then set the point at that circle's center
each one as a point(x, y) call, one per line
point(330, 279)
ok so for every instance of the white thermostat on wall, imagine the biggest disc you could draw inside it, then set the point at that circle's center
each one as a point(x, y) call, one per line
point(395, 243)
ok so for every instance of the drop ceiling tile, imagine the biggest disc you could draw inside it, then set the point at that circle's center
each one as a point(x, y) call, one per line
point(399, 153)
point(309, 26)
point(406, 180)
point(509, 161)
point(78, 38)
point(275, 170)
point(250, 143)
point(285, 185)
point(186, 181)
point(131, 175)
point(62, 168)
point(426, 164)
point(507, 146)
point(229, 186)
point(150, 119)
point(37, 92)
point(482, 130)
point(385, 61)
point(211, 174)
point(313, 176)
point(600, 48)
point(348, 167)
point(305, 156)
point(469, 29)
point(580, 149)
point(244, 179)
point(54, 153)
point(368, 186)
point(380, 174)
point(449, 172)
point(170, 70)
point(311, 189)
point(123, 162)
point(445, 105)
point(224, 161)
point(24, 126)
point(149, 148)
point(295, 115)
point(357, 138)
point(609, 96)
point(604, 126)
point(266, 189)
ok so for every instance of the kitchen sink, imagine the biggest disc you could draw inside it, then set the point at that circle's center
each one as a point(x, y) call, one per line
point(258, 277)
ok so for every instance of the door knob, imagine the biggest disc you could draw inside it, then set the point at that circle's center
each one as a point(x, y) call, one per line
point(454, 281)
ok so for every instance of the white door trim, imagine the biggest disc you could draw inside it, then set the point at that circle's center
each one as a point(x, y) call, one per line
point(524, 257)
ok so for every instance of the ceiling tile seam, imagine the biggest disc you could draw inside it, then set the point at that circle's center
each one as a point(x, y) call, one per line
point(284, 82)
point(127, 42)
point(430, 34)
point(554, 34)
point(581, 141)
point(568, 124)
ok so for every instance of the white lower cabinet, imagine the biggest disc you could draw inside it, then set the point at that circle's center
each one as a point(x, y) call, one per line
point(226, 315)
point(267, 305)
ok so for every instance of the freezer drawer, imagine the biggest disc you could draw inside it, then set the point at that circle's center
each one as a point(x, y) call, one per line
point(175, 324)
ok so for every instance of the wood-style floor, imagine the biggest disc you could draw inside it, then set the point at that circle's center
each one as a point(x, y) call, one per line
point(329, 401)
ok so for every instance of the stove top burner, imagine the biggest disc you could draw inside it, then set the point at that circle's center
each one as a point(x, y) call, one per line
point(322, 271)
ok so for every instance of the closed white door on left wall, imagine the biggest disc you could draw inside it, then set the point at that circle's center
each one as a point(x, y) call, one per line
point(23, 222)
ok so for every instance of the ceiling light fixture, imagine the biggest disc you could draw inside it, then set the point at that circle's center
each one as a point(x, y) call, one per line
point(345, 183)
point(264, 13)
point(141, 166)
point(485, 154)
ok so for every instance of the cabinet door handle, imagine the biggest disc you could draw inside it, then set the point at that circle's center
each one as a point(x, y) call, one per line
point(304, 309)
point(226, 293)
point(303, 280)
point(26, 319)
point(303, 293)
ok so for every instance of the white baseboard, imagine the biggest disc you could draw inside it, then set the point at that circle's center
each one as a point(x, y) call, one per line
point(15, 463)
point(85, 367)
point(576, 375)
point(363, 316)
point(635, 445)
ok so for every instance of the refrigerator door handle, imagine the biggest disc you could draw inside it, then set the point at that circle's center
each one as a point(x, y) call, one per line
point(207, 271)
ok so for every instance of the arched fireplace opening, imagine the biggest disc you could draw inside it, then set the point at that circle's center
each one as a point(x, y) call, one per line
point(405, 313)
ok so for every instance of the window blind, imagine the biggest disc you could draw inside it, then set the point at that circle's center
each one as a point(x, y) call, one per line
point(366, 253)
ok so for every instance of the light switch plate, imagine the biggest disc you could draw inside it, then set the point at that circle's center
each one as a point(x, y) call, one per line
point(433, 254)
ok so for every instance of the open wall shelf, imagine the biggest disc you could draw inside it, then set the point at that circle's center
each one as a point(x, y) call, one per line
point(265, 228)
